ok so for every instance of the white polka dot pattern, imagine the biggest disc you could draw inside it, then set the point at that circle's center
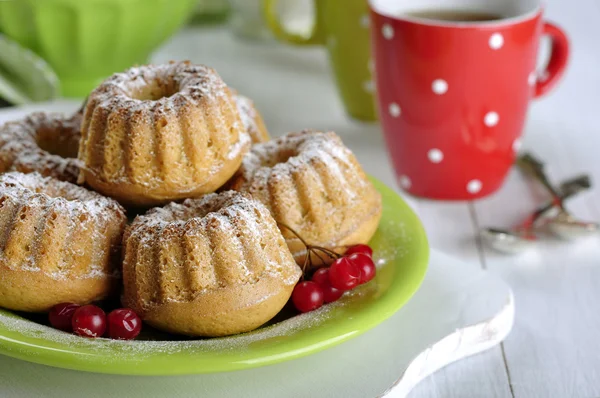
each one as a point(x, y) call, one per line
point(532, 79)
point(439, 86)
point(474, 186)
point(435, 155)
point(405, 182)
point(387, 31)
point(496, 41)
point(517, 145)
point(365, 21)
point(491, 119)
point(394, 109)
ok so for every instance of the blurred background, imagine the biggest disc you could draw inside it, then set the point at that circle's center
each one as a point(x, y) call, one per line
point(64, 48)
point(59, 50)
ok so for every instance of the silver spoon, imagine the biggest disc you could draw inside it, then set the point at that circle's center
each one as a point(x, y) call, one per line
point(568, 227)
point(513, 241)
point(522, 237)
point(564, 224)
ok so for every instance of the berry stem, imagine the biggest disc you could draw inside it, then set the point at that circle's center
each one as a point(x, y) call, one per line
point(294, 232)
point(318, 255)
point(330, 253)
point(310, 250)
point(307, 262)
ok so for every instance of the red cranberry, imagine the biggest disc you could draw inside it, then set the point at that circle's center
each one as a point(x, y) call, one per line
point(344, 274)
point(61, 314)
point(321, 276)
point(330, 293)
point(89, 321)
point(307, 296)
point(365, 249)
point(366, 266)
point(123, 324)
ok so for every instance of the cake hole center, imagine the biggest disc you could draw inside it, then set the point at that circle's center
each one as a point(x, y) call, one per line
point(61, 141)
point(154, 90)
point(281, 156)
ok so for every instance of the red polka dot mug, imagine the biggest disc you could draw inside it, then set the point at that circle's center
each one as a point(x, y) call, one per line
point(453, 94)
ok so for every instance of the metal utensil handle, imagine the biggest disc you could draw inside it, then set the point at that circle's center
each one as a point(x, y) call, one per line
point(577, 184)
point(531, 164)
point(570, 189)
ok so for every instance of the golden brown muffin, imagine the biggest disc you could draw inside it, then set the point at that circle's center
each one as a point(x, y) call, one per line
point(58, 243)
point(312, 183)
point(160, 133)
point(212, 266)
point(252, 120)
point(42, 142)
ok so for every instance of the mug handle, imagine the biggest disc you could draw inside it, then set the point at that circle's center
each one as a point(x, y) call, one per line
point(316, 35)
point(558, 59)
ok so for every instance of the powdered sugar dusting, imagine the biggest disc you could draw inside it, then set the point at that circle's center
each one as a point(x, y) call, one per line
point(115, 351)
point(53, 199)
point(239, 146)
point(65, 169)
point(301, 148)
point(177, 133)
point(247, 112)
point(251, 120)
point(312, 183)
point(20, 149)
point(388, 253)
point(21, 186)
point(247, 222)
point(171, 80)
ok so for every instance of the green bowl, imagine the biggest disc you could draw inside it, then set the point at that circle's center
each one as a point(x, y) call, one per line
point(87, 40)
point(400, 248)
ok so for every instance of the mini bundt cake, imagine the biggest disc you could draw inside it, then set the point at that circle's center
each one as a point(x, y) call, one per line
point(313, 184)
point(252, 120)
point(160, 133)
point(42, 142)
point(212, 266)
point(58, 243)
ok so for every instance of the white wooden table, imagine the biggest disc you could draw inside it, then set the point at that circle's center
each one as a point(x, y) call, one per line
point(553, 349)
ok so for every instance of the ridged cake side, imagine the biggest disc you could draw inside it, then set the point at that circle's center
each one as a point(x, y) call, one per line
point(312, 183)
point(58, 242)
point(221, 254)
point(251, 119)
point(159, 133)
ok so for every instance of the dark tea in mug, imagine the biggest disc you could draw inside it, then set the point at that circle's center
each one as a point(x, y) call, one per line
point(455, 15)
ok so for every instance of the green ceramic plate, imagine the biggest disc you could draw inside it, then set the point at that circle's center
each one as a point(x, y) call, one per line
point(401, 250)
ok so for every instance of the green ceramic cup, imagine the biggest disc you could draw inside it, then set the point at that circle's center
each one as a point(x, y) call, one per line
point(343, 27)
point(87, 40)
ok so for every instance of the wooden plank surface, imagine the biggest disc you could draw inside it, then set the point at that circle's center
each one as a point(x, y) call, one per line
point(553, 349)
point(307, 98)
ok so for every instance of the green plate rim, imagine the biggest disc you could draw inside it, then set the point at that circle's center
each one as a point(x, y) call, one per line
point(39, 350)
